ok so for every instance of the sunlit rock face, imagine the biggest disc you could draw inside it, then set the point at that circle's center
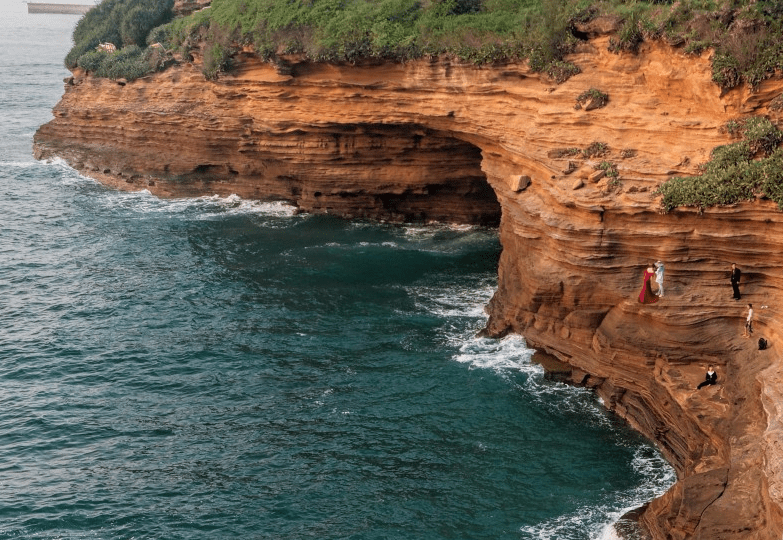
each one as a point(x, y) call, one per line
point(435, 140)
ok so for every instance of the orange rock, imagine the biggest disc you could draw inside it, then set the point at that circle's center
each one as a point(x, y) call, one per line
point(518, 182)
point(595, 176)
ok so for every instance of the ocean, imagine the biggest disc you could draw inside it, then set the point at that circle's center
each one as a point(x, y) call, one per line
point(214, 368)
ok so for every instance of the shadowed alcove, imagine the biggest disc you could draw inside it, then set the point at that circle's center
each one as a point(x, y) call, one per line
point(400, 173)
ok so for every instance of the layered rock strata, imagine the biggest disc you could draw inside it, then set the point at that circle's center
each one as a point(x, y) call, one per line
point(435, 140)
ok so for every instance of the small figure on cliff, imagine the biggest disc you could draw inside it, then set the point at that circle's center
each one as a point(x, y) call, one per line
point(735, 279)
point(709, 379)
point(659, 278)
point(647, 296)
point(749, 322)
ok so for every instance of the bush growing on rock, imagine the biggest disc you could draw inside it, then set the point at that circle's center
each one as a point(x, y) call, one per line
point(609, 168)
point(762, 135)
point(137, 23)
point(736, 172)
point(92, 60)
point(561, 71)
point(629, 37)
point(595, 149)
point(121, 22)
point(592, 99)
point(216, 58)
point(129, 63)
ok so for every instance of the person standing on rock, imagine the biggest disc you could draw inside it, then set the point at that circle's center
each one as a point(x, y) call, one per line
point(735, 279)
point(647, 296)
point(659, 278)
point(749, 322)
point(709, 379)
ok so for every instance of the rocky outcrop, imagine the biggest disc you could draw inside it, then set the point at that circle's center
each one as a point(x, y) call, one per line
point(186, 7)
point(438, 140)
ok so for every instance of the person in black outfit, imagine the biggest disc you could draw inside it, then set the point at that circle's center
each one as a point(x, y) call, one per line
point(735, 279)
point(709, 379)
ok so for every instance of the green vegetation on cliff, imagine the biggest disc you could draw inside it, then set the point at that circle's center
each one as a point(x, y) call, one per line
point(125, 24)
point(740, 171)
point(745, 35)
point(481, 31)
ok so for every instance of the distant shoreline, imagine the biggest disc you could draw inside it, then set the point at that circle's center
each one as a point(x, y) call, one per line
point(76, 9)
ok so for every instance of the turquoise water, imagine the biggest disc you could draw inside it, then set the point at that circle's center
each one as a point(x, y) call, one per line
point(222, 368)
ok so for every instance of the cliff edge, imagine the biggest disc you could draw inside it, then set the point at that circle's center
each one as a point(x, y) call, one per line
point(571, 187)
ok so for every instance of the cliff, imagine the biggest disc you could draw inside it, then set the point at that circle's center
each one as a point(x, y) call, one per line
point(438, 140)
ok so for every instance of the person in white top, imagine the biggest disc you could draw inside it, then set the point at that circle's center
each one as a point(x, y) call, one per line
point(749, 322)
point(659, 278)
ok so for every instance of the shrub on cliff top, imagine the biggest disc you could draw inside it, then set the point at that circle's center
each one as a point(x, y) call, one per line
point(121, 22)
point(130, 63)
point(127, 63)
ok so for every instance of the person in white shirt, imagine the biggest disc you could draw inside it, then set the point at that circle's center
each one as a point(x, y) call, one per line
point(749, 322)
point(659, 278)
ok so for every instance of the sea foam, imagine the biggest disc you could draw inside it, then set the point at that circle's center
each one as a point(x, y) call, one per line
point(200, 208)
point(597, 522)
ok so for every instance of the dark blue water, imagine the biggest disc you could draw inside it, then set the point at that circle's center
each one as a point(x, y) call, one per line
point(219, 368)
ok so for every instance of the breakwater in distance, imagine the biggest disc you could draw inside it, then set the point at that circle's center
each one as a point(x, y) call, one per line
point(66, 9)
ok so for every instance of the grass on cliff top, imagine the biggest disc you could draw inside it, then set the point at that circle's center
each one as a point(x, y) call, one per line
point(479, 31)
point(744, 35)
point(736, 172)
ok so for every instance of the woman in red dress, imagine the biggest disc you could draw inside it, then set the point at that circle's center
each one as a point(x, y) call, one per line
point(647, 296)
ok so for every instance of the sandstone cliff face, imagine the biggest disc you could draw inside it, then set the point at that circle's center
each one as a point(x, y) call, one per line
point(436, 140)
